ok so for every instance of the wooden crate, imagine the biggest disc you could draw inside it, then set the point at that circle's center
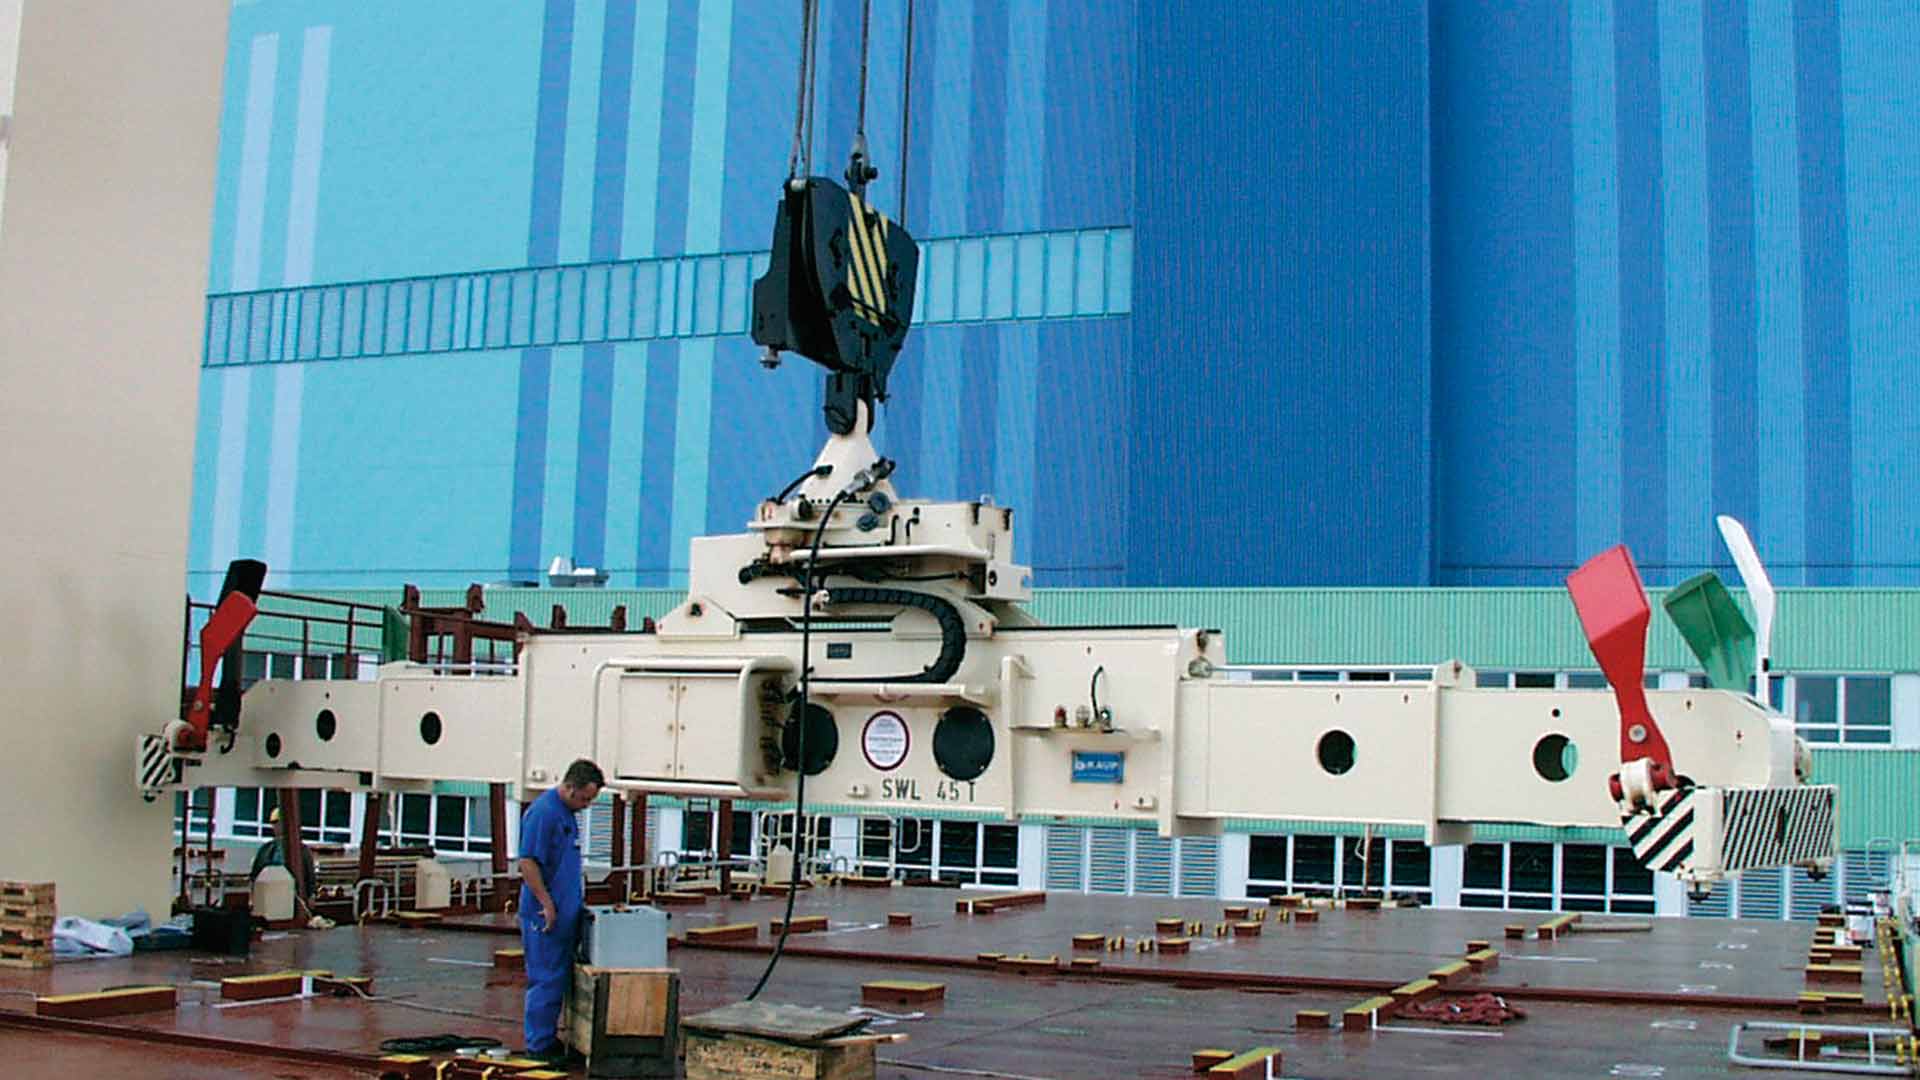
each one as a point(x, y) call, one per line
point(744, 1057)
point(625, 1021)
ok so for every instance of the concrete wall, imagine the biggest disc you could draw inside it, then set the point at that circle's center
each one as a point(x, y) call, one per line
point(103, 260)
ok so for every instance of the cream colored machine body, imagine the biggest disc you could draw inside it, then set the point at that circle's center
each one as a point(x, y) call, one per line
point(932, 687)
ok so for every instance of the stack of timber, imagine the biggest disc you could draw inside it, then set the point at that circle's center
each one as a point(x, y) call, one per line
point(26, 924)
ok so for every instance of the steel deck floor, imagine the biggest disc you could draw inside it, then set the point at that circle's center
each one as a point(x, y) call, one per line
point(1037, 1026)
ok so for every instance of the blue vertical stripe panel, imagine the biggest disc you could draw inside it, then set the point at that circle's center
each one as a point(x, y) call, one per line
point(1779, 523)
point(280, 152)
point(206, 469)
point(644, 117)
point(692, 436)
point(543, 245)
point(940, 411)
point(250, 198)
point(1825, 323)
point(564, 402)
point(1502, 300)
point(1597, 459)
point(1730, 236)
point(1691, 540)
point(1023, 163)
point(1089, 103)
point(978, 442)
point(884, 63)
point(227, 182)
point(1643, 317)
point(949, 132)
point(229, 485)
point(676, 127)
point(257, 442)
point(606, 229)
point(986, 155)
point(1878, 43)
point(707, 146)
point(760, 103)
point(582, 157)
point(654, 538)
point(897, 435)
point(625, 454)
point(1080, 484)
point(1015, 442)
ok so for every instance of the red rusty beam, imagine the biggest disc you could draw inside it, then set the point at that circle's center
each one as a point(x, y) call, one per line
point(497, 843)
point(370, 834)
point(343, 1059)
point(638, 841)
point(291, 844)
point(723, 844)
point(617, 881)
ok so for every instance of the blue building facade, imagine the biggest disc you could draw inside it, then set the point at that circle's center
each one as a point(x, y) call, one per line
point(1388, 293)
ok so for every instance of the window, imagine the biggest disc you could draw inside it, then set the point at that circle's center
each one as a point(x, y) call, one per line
point(1537, 876)
point(965, 852)
point(201, 800)
point(446, 823)
point(1324, 865)
point(326, 817)
point(252, 811)
point(1837, 709)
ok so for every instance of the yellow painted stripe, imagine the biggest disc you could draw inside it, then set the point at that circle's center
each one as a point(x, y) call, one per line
point(879, 240)
point(863, 259)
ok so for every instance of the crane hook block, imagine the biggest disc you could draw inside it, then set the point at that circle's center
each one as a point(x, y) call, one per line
point(839, 291)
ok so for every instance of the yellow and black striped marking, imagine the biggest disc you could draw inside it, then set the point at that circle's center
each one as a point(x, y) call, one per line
point(866, 280)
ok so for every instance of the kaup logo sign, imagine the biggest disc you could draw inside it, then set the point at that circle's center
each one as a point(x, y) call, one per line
point(1098, 767)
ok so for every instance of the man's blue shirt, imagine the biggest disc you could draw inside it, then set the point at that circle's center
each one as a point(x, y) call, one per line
point(549, 836)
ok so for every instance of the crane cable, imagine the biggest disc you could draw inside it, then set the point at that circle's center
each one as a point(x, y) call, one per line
point(801, 152)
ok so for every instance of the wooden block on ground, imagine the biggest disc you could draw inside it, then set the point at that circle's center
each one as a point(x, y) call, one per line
point(1085, 963)
point(1089, 941)
point(1417, 990)
point(744, 1057)
point(1516, 931)
point(1029, 965)
point(1485, 958)
point(1246, 929)
point(1235, 913)
point(902, 991)
point(1306, 914)
point(1363, 903)
point(989, 957)
point(1812, 1003)
point(802, 924)
point(1446, 973)
point(1255, 1064)
point(1558, 926)
point(1170, 925)
point(1174, 946)
point(122, 1002)
point(1207, 1059)
point(1477, 944)
point(899, 918)
point(963, 907)
point(1839, 952)
point(681, 899)
point(416, 918)
point(1831, 919)
point(1312, 1020)
point(510, 958)
point(1360, 1017)
point(708, 935)
point(256, 987)
point(987, 905)
point(1291, 900)
point(1844, 997)
point(1843, 974)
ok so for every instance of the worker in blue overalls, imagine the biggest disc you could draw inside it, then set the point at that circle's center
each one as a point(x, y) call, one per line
point(550, 899)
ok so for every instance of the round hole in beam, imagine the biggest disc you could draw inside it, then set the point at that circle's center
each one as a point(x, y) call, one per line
point(1555, 758)
point(1335, 752)
point(273, 744)
point(325, 725)
point(430, 728)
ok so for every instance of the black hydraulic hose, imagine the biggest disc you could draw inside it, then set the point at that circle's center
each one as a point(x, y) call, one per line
point(817, 470)
point(906, 119)
point(953, 629)
point(800, 749)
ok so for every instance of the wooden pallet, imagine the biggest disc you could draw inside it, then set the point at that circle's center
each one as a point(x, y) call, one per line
point(30, 893)
point(26, 956)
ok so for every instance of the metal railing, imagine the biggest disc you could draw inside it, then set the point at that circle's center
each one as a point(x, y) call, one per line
point(1076, 273)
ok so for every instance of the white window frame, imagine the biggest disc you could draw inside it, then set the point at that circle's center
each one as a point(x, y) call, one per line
point(1388, 880)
